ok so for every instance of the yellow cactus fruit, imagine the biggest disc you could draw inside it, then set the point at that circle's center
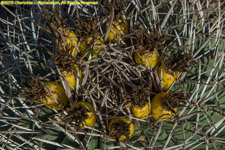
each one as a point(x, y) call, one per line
point(140, 112)
point(69, 69)
point(52, 94)
point(146, 58)
point(85, 45)
point(71, 78)
point(118, 28)
point(86, 113)
point(70, 41)
point(167, 76)
point(160, 109)
point(139, 96)
point(121, 128)
point(149, 45)
point(89, 37)
point(55, 97)
point(64, 35)
point(173, 67)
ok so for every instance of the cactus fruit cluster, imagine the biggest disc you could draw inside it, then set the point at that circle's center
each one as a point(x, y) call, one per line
point(121, 74)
